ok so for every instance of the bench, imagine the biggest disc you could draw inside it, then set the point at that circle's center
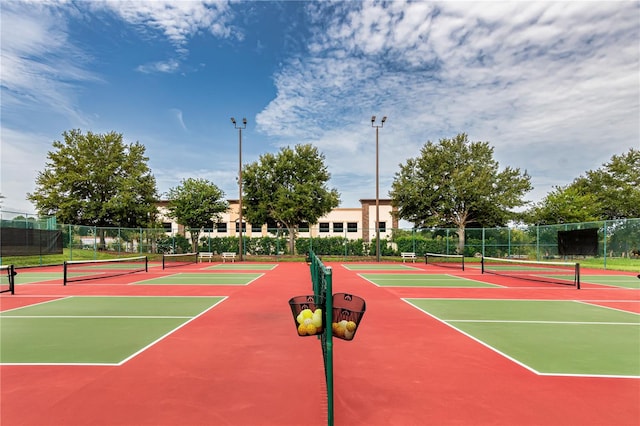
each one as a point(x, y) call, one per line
point(408, 255)
point(205, 255)
point(228, 255)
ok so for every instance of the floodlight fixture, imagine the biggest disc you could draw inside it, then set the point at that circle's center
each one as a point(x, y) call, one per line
point(240, 128)
point(377, 126)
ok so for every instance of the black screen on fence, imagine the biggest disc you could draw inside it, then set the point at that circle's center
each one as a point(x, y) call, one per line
point(29, 242)
point(578, 242)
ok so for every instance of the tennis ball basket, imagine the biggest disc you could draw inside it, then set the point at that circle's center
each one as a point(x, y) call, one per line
point(308, 314)
point(348, 310)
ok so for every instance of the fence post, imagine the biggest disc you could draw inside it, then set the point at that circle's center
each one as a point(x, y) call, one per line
point(604, 245)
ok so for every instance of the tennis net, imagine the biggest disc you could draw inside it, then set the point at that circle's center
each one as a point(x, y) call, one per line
point(322, 281)
point(175, 260)
point(565, 273)
point(7, 279)
point(446, 260)
point(82, 270)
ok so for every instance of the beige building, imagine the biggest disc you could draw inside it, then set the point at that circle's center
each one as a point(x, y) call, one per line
point(350, 222)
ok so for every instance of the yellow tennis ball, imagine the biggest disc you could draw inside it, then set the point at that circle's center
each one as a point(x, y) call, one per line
point(311, 329)
point(348, 335)
point(317, 322)
point(317, 312)
point(351, 326)
point(302, 330)
point(307, 313)
point(300, 318)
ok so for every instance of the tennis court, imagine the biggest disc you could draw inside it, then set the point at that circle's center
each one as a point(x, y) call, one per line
point(379, 267)
point(191, 345)
point(423, 280)
point(35, 277)
point(202, 279)
point(242, 267)
point(93, 330)
point(548, 337)
point(624, 281)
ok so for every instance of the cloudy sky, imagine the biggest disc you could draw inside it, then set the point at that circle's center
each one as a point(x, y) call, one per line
point(554, 87)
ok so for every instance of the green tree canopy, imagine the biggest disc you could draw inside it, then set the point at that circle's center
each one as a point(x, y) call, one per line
point(456, 182)
point(289, 188)
point(610, 192)
point(97, 180)
point(616, 186)
point(195, 204)
point(565, 205)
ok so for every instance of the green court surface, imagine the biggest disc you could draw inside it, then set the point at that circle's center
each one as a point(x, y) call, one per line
point(548, 337)
point(379, 267)
point(422, 280)
point(243, 267)
point(93, 330)
point(34, 277)
point(626, 281)
point(203, 279)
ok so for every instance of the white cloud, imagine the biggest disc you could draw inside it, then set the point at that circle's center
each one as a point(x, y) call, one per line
point(40, 65)
point(20, 153)
point(170, 66)
point(178, 116)
point(177, 20)
point(521, 75)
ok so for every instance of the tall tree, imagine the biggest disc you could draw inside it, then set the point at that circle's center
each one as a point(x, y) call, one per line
point(565, 205)
point(456, 182)
point(616, 186)
point(97, 180)
point(195, 204)
point(610, 192)
point(289, 188)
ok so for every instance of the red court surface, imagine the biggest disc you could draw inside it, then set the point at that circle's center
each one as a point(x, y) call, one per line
point(242, 363)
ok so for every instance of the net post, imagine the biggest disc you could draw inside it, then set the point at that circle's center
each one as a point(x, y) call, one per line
point(12, 279)
point(482, 264)
point(11, 273)
point(146, 263)
point(329, 343)
point(463, 262)
point(577, 276)
point(64, 273)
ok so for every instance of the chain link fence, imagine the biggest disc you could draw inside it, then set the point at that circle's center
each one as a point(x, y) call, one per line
point(616, 239)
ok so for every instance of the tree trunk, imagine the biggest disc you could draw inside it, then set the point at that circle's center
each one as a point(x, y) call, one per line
point(292, 237)
point(194, 240)
point(461, 222)
point(461, 240)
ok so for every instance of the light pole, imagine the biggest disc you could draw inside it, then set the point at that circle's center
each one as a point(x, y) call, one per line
point(244, 126)
point(377, 126)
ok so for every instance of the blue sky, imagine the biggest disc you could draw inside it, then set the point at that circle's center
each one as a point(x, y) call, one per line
point(554, 87)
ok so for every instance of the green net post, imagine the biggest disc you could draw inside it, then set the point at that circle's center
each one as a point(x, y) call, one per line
point(322, 280)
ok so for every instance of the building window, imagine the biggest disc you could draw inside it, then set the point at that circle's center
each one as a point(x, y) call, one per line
point(338, 227)
point(166, 226)
point(352, 226)
point(244, 227)
point(221, 227)
point(303, 227)
point(324, 226)
point(382, 226)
